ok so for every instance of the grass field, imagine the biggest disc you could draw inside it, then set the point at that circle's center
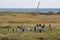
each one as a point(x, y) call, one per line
point(14, 19)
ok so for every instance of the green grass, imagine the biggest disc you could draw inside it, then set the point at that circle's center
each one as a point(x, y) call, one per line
point(48, 35)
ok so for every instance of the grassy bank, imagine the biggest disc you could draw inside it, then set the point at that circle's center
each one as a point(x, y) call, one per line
point(14, 19)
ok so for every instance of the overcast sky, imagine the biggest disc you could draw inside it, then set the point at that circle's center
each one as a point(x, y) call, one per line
point(29, 3)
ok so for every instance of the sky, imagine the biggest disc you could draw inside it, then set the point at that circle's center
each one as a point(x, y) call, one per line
point(29, 3)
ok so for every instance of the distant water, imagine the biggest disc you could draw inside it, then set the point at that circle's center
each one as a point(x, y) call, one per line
point(29, 9)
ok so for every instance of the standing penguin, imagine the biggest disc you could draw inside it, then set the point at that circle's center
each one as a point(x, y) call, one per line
point(36, 27)
point(23, 28)
point(50, 28)
point(9, 29)
point(40, 29)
